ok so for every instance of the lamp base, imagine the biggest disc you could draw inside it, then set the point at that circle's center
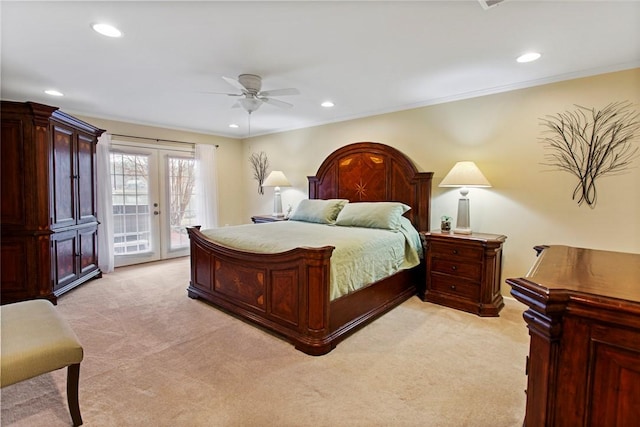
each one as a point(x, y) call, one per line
point(462, 231)
point(277, 203)
point(463, 224)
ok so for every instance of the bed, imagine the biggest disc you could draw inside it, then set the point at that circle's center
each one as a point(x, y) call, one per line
point(289, 293)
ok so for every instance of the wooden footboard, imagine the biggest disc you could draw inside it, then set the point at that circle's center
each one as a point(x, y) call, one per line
point(288, 293)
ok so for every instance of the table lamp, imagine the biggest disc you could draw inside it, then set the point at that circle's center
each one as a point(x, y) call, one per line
point(277, 179)
point(464, 175)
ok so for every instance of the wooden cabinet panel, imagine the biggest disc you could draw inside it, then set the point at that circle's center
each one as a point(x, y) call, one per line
point(86, 180)
point(88, 249)
point(25, 267)
point(13, 179)
point(65, 266)
point(48, 177)
point(463, 271)
point(63, 204)
point(615, 394)
point(584, 323)
point(75, 256)
point(14, 265)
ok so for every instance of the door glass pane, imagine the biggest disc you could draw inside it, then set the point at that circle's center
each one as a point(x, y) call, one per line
point(181, 199)
point(129, 189)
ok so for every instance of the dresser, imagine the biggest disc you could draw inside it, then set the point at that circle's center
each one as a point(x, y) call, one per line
point(48, 215)
point(463, 271)
point(583, 318)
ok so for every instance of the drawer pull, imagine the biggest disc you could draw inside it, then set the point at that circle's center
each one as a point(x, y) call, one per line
point(453, 287)
point(455, 252)
point(454, 268)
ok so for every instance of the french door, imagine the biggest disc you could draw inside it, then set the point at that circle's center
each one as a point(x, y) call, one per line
point(153, 202)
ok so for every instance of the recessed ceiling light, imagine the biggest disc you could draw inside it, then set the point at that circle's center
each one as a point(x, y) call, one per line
point(106, 30)
point(528, 57)
point(53, 92)
point(327, 104)
point(233, 125)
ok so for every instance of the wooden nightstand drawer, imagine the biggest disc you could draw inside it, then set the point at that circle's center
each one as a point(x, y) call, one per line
point(457, 267)
point(460, 287)
point(448, 250)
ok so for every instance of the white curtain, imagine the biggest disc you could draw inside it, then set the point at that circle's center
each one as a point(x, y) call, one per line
point(206, 186)
point(105, 208)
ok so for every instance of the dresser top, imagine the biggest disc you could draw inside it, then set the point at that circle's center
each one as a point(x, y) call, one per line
point(590, 271)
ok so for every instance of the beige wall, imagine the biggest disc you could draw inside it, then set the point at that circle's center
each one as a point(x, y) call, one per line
point(229, 155)
point(530, 203)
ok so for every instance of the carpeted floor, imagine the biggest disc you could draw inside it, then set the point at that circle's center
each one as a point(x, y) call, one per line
point(154, 357)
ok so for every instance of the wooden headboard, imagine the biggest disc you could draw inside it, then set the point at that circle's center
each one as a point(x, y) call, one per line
point(374, 172)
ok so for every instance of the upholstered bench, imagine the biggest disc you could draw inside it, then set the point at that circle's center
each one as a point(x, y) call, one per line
point(36, 340)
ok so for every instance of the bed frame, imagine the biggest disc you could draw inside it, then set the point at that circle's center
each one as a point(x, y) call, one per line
point(288, 293)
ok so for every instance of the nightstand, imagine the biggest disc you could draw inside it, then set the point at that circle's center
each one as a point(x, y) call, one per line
point(258, 219)
point(463, 271)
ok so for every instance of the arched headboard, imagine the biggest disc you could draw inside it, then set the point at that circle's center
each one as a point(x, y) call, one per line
point(374, 172)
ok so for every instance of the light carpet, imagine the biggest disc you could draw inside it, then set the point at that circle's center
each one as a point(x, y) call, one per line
point(153, 356)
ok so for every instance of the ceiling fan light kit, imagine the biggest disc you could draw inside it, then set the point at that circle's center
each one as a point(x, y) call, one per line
point(250, 104)
point(252, 97)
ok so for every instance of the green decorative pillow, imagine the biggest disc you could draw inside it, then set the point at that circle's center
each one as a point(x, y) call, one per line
point(385, 215)
point(318, 210)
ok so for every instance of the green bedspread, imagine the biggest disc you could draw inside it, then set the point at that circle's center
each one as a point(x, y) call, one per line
point(361, 255)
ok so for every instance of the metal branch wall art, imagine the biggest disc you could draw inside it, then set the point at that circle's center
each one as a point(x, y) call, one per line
point(589, 144)
point(260, 165)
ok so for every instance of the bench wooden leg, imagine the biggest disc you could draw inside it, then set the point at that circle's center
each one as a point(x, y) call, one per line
point(73, 383)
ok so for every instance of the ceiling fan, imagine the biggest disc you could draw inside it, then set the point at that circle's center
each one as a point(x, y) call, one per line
point(251, 95)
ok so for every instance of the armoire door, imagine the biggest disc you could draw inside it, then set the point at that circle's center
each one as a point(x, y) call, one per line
point(63, 177)
point(75, 255)
point(86, 179)
point(65, 268)
point(87, 249)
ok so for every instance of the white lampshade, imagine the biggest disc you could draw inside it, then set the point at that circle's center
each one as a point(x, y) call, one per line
point(276, 179)
point(464, 175)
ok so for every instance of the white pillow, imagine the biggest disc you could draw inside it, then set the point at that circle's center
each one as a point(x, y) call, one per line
point(385, 215)
point(318, 210)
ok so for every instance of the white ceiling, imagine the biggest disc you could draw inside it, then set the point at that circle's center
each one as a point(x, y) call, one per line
point(368, 57)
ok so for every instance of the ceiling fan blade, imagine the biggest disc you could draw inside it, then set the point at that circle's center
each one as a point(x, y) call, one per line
point(234, 83)
point(281, 92)
point(277, 102)
point(224, 93)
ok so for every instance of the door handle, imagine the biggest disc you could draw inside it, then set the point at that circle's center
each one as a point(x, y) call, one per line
point(156, 212)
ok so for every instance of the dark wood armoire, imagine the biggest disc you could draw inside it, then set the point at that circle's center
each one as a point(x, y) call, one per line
point(48, 214)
